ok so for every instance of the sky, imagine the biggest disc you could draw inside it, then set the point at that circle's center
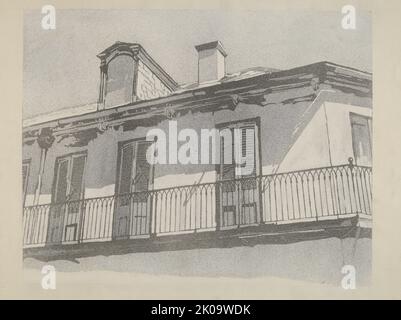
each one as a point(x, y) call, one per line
point(60, 67)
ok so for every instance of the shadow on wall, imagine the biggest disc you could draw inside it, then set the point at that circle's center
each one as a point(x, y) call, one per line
point(280, 127)
point(318, 261)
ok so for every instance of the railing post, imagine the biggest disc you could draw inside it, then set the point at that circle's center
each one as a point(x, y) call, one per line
point(314, 194)
point(81, 220)
point(151, 219)
point(217, 215)
point(356, 194)
point(34, 225)
point(260, 195)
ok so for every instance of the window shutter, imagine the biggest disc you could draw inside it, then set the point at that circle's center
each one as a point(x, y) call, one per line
point(248, 147)
point(227, 152)
point(61, 187)
point(125, 169)
point(78, 165)
point(142, 169)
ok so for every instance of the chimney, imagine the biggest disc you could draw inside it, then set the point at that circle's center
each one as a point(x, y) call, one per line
point(211, 61)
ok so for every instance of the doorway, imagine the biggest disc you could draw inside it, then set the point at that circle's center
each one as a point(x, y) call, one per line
point(133, 201)
point(67, 193)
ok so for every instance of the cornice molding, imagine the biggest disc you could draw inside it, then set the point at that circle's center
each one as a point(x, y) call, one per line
point(255, 90)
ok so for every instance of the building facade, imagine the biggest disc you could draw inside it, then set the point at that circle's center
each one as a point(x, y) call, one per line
point(89, 188)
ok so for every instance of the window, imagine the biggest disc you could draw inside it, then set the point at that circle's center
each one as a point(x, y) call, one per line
point(362, 139)
point(25, 176)
point(120, 81)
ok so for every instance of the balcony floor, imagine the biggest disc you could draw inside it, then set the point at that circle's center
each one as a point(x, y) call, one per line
point(341, 227)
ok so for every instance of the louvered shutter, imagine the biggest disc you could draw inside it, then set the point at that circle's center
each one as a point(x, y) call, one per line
point(61, 187)
point(78, 165)
point(248, 148)
point(142, 168)
point(124, 183)
point(227, 154)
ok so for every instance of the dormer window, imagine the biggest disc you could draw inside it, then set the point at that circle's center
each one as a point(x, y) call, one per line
point(128, 73)
point(120, 81)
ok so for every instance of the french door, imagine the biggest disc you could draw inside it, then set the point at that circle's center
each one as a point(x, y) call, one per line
point(238, 187)
point(64, 216)
point(133, 201)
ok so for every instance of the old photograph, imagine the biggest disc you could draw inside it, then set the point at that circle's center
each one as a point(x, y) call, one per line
point(204, 143)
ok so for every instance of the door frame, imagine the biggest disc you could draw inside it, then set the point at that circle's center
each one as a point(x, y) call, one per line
point(258, 169)
point(120, 146)
point(54, 185)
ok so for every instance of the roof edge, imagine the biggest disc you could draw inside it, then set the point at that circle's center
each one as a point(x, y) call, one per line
point(191, 91)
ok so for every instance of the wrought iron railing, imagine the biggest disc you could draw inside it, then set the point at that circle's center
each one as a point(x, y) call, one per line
point(307, 195)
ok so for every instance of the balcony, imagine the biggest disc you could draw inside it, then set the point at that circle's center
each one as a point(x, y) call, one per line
point(278, 208)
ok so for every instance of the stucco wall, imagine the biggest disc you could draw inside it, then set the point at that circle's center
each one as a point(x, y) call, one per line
point(318, 261)
point(339, 126)
point(327, 139)
point(293, 137)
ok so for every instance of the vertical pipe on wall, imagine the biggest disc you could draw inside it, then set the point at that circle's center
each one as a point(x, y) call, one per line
point(41, 171)
point(135, 82)
point(327, 132)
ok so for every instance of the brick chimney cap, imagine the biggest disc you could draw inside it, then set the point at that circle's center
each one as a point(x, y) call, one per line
point(212, 45)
